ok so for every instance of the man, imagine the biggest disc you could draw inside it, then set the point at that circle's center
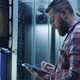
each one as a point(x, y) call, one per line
point(68, 65)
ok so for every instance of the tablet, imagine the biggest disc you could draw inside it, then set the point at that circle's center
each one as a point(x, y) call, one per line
point(38, 71)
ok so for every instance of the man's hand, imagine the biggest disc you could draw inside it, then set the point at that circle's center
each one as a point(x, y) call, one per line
point(33, 72)
point(47, 67)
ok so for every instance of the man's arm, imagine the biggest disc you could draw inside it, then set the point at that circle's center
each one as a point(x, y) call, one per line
point(73, 72)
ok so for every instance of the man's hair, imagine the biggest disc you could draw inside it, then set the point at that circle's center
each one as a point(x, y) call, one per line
point(58, 5)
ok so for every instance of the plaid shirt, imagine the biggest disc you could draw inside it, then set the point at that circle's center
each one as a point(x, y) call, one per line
point(68, 64)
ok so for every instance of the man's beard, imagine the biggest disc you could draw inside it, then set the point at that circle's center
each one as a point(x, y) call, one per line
point(63, 28)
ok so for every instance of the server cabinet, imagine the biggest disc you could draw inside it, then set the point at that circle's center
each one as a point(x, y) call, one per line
point(5, 67)
point(34, 36)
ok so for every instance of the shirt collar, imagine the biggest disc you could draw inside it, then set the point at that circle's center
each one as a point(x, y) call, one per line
point(73, 24)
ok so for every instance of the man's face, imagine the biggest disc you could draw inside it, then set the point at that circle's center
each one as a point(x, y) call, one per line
point(58, 22)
